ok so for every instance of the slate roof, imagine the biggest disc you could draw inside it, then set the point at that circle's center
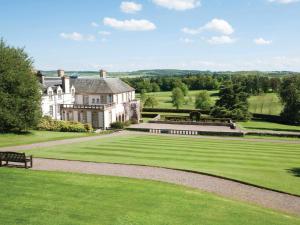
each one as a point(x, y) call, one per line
point(91, 85)
point(100, 86)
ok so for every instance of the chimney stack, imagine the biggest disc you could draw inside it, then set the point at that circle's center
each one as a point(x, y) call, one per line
point(66, 84)
point(60, 73)
point(41, 77)
point(103, 73)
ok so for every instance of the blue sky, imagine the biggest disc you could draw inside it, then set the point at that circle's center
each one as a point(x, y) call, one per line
point(151, 34)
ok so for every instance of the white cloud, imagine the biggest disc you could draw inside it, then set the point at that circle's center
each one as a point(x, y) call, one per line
point(261, 41)
point(179, 5)
point(94, 24)
point(219, 25)
point(75, 36)
point(187, 40)
point(129, 25)
point(216, 25)
point(218, 40)
point(190, 31)
point(130, 7)
point(284, 1)
point(104, 33)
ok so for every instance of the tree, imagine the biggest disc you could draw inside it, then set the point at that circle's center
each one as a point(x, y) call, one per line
point(151, 101)
point(233, 103)
point(203, 101)
point(155, 87)
point(19, 90)
point(290, 95)
point(177, 98)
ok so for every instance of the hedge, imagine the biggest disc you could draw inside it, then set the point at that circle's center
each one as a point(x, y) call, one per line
point(175, 110)
point(47, 123)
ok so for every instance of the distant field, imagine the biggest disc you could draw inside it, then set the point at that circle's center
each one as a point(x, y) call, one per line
point(12, 139)
point(164, 99)
point(52, 198)
point(264, 104)
point(273, 165)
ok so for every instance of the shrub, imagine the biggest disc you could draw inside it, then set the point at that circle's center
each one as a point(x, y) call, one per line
point(117, 125)
point(47, 123)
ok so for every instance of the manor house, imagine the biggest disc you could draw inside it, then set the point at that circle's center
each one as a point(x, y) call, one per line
point(99, 101)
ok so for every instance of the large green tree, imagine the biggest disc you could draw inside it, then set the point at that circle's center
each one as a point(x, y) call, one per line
point(233, 102)
point(19, 90)
point(177, 97)
point(203, 101)
point(151, 101)
point(290, 95)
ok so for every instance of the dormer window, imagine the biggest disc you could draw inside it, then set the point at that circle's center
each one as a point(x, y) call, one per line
point(51, 95)
point(59, 93)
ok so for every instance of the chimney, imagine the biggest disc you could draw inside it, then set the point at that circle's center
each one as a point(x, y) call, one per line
point(66, 84)
point(41, 77)
point(103, 73)
point(60, 73)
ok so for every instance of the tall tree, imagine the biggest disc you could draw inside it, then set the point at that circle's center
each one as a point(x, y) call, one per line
point(177, 98)
point(203, 101)
point(19, 90)
point(290, 95)
point(151, 101)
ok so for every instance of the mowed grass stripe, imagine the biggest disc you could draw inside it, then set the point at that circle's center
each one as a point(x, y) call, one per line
point(176, 152)
point(281, 150)
point(266, 164)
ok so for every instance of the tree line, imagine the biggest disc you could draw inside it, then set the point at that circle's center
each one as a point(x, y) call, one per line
point(254, 84)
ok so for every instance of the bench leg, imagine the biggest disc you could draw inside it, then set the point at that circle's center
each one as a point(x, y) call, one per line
point(31, 162)
point(0, 162)
point(26, 165)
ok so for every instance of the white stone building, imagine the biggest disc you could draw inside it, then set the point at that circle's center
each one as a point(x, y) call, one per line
point(98, 101)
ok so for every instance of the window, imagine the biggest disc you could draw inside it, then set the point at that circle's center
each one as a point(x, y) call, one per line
point(51, 95)
point(93, 101)
point(98, 101)
point(59, 93)
point(51, 110)
point(103, 99)
point(73, 92)
point(85, 100)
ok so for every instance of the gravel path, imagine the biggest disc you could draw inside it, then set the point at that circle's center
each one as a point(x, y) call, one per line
point(222, 187)
point(127, 133)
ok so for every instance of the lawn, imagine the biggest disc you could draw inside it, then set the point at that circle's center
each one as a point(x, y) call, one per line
point(164, 99)
point(272, 165)
point(265, 104)
point(12, 139)
point(258, 125)
point(52, 198)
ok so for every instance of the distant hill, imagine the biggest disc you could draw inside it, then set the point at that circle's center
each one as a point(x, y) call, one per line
point(170, 72)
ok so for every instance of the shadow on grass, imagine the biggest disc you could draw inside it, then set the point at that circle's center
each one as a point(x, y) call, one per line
point(16, 132)
point(294, 171)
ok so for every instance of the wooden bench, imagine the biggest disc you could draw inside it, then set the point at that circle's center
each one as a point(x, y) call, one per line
point(15, 157)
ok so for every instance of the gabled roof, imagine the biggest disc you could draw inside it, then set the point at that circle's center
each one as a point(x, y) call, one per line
point(100, 85)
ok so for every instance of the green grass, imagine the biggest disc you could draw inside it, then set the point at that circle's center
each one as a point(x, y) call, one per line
point(265, 104)
point(257, 125)
point(12, 139)
point(164, 99)
point(266, 164)
point(51, 198)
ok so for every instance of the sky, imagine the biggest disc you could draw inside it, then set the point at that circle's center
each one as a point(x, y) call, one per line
point(118, 35)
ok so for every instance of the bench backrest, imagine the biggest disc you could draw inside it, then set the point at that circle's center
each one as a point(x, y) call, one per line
point(12, 156)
